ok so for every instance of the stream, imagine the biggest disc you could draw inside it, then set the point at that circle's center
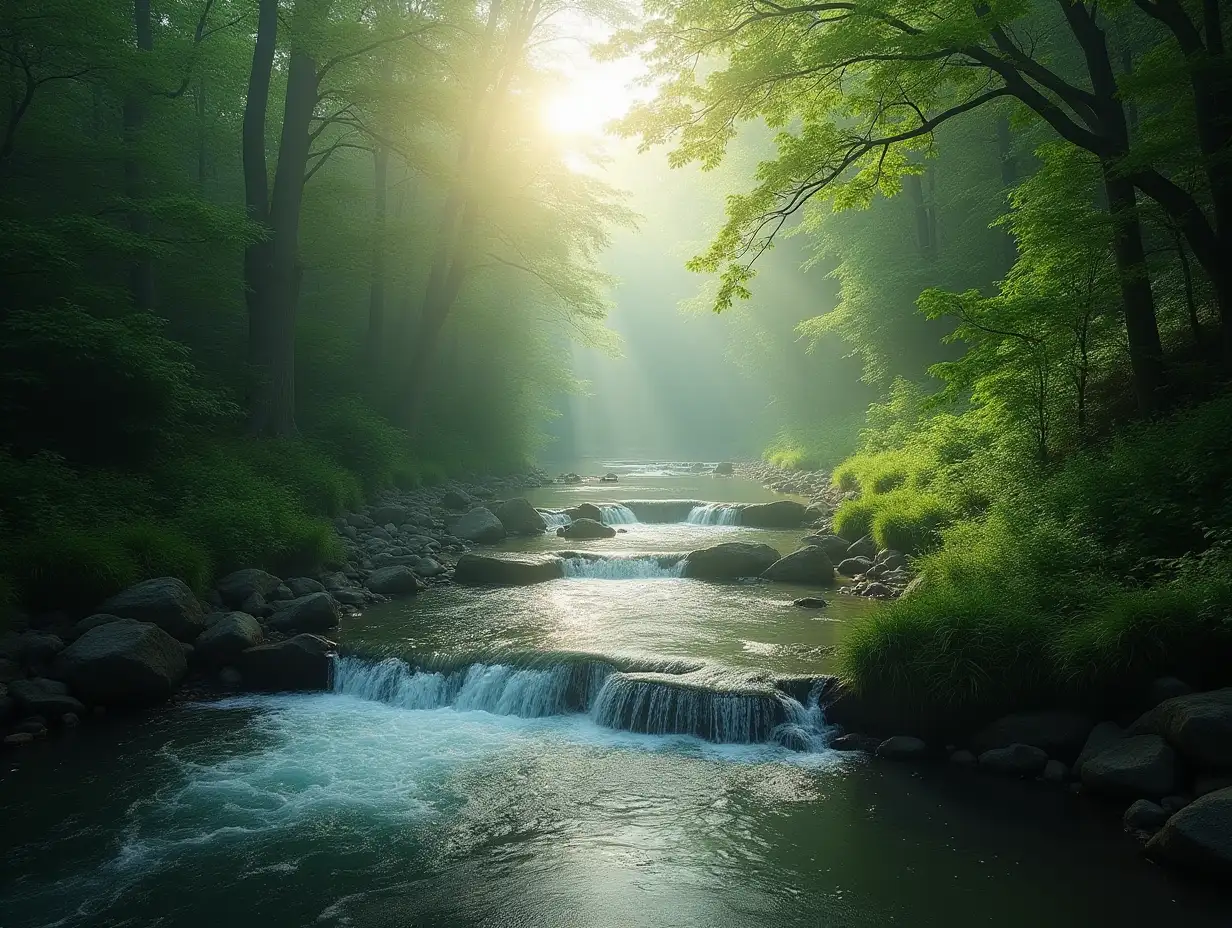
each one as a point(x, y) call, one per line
point(512, 757)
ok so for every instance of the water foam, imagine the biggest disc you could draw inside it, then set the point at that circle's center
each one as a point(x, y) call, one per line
point(633, 567)
point(715, 514)
point(616, 514)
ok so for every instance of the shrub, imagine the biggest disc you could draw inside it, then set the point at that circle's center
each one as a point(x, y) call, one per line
point(162, 551)
point(353, 434)
point(909, 522)
point(71, 568)
point(854, 518)
point(324, 487)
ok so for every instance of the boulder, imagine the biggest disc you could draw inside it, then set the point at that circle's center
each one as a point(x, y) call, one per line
point(227, 637)
point(609, 478)
point(1055, 771)
point(782, 513)
point(1199, 837)
point(835, 547)
point(164, 601)
point(878, 591)
point(299, 663)
point(1199, 726)
point(359, 520)
point(255, 605)
point(854, 566)
point(1145, 815)
point(33, 649)
point(479, 525)
point(394, 581)
point(863, 547)
point(1132, 768)
point(1058, 733)
point(902, 747)
point(520, 518)
point(963, 758)
point(890, 560)
point(855, 742)
point(456, 500)
point(724, 469)
point(810, 602)
point(426, 567)
point(507, 569)
point(1102, 736)
point(808, 565)
point(1018, 760)
point(315, 612)
point(18, 738)
point(586, 528)
point(390, 515)
point(729, 561)
point(122, 663)
point(40, 696)
point(585, 511)
point(237, 586)
point(94, 621)
point(303, 586)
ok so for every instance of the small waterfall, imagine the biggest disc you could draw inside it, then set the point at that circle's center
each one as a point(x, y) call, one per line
point(662, 511)
point(554, 518)
point(616, 514)
point(632, 567)
point(715, 514)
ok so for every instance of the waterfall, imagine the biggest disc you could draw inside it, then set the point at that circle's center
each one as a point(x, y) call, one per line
point(554, 518)
point(633, 567)
point(662, 510)
point(715, 514)
point(647, 697)
point(616, 514)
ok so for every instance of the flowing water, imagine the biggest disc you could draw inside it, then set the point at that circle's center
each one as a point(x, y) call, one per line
point(615, 748)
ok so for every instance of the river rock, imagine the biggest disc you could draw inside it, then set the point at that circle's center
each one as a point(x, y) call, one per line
point(315, 612)
point(359, 520)
point(1018, 760)
point(1145, 815)
point(94, 621)
point(1058, 733)
point(835, 547)
point(238, 586)
point(480, 525)
point(1199, 837)
point(299, 663)
point(1199, 726)
point(585, 511)
point(1102, 736)
point(1055, 771)
point(854, 566)
point(122, 663)
point(304, 586)
point(902, 747)
point(390, 515)
point(33, 649)
point(724, 469)
point(164, 601)
point(520, 518)
point(586, 528)
point(1173, 804)
point(226, 637)
point(1134, 767)
point(40, 696)
point(507, 569)
point(456, 500)
point(810, 602)
point(18, 738)
point(394, 581)
point(856, 742)
point(890, 560)
point(782, 513)
point(729, 561)
point(808, 565)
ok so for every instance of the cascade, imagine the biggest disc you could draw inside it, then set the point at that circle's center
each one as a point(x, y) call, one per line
point(616, 514)
point(715, 514)
point(662, 510)
point(554, 518)
point(628, 567)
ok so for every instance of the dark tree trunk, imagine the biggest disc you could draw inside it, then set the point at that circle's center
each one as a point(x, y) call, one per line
point(141, 272)
point(256, 178)
point(923, 221)
point(376, 296)
point(274, 412)
point(1146, 355)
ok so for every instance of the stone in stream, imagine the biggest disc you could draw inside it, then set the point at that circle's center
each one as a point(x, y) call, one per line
point(236, 587)
point(864, 547)
point(585, 511)
point(1018, 760)
point(729, 561)
point(479, 525)
point(1058, 733)
point(808, 565)
point(783, 513)
point(854, 566)
point(1144, 815)
point(315, 612)
point(724, 469)
point(390, 515)
point(164, 601)
point(507, 569)
point(856, 742)
point(122, 663)
point(93, 621)
point(226, 637)
point(810, 602)
point(586, 528)
point(835, 547)
point(303, 586)
point(1198, 725)
point(520, 518)
point(40, 696)
point(1165, 688)
point(1055, 771)
point(1102, 736)
point(299, 663)
point(1199, 837)
point(394, 581)
point(902, 747)
point(1134, 767)
point(963, 758)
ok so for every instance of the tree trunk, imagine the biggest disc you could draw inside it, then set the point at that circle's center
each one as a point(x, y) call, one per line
point(1009, 177)
point(256, 179)
point(923, 223)
point(376, 295)
point(274, 413)
point(141, 272)
point(1146, 354)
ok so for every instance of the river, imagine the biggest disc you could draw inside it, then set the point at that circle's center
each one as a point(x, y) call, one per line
point(484, 794)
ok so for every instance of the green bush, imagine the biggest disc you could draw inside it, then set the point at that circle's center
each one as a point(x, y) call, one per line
point(324, 487)
point(854, 518)
point(359, 439)
point(908, 521)
point(70, 568)
point(814, 448)
point(162, 551)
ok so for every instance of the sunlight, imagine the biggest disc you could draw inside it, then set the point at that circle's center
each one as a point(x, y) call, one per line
point(596, 94)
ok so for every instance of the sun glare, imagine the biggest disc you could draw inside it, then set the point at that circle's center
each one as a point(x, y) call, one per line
point(596, 95)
